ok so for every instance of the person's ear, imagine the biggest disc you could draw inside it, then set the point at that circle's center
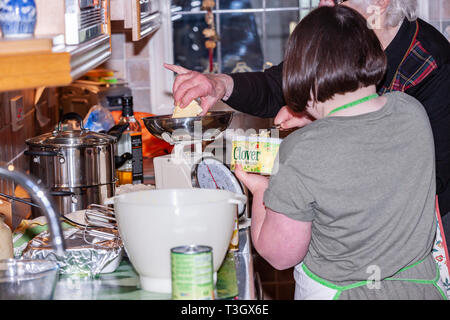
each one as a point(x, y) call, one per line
point(382, 4)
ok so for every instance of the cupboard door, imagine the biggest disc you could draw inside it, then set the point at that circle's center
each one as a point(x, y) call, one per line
point(146, 18)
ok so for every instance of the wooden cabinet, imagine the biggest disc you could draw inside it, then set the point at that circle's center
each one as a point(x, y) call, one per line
point(143, 17)
point(47, 59)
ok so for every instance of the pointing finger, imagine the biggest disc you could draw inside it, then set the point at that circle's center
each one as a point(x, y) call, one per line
point(176, 69)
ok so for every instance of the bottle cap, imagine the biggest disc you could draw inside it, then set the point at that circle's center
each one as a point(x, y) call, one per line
point(127, 106)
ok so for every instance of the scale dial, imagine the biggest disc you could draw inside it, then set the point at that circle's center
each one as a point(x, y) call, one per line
point(210, 173)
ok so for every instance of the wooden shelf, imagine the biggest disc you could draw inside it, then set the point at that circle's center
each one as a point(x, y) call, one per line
point(59, 67)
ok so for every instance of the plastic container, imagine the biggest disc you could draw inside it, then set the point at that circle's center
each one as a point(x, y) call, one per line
point(28, 279)
point(255, 154)
point(151, 222)
point(6, 243)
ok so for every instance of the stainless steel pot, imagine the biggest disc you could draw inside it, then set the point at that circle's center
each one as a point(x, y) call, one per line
point(68, 162)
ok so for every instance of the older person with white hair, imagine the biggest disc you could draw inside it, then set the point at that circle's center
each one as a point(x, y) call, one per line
point(418, 64)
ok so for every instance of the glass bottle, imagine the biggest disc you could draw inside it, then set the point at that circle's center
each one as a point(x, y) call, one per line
point(6, 244)
point(131, 172)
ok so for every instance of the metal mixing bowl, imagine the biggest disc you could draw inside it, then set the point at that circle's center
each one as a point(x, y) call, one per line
point(205, 128)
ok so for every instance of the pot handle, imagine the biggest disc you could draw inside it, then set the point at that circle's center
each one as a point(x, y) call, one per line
point(110, 200)
point(238, 199)
point(61, 193)
point(40, 153)
point(71, 115)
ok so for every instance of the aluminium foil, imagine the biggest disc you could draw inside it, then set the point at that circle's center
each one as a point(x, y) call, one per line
point(86, 254)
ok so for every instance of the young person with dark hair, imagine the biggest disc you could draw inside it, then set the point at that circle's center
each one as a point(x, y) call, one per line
point(418, 58)
point(353, 227)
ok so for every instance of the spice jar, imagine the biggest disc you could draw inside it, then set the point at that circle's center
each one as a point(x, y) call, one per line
point(6, 244)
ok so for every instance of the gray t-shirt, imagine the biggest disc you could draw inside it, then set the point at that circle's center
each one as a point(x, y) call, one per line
point(367, 183)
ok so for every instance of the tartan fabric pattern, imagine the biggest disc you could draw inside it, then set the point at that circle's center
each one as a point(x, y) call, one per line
point(417, 66)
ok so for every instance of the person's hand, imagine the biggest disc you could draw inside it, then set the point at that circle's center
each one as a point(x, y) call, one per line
point(189, 85)
point(287, 119)
point(254, 182)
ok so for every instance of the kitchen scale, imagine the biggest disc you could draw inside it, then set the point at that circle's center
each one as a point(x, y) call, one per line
point(187, 168)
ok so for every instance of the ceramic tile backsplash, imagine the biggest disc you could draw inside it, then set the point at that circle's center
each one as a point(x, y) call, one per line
point(276, 284)
point(141, 99)
point(136, 49)
point(130, 61)
point(117, 46)
point(13, 135)
point(138, 73)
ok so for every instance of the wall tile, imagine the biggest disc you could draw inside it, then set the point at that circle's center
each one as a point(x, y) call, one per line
point(136, 49)
point(5, 143)
point(141, 100)
point(28, 99)
point(285, 275)
point(30, 124)
point(118, 65)
point(4, 105)
point(118, 46)
point(138, 73)
point(285, 291)
point(265, 270)
point(18, 141)
point(2, 111)
point(270, 291)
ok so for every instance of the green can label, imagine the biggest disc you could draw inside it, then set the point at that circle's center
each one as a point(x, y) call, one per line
point(192, 273)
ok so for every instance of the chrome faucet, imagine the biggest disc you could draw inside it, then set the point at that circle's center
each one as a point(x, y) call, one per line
point(39, 196)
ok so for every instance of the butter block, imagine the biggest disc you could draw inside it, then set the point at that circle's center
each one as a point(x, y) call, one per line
point(191, 110)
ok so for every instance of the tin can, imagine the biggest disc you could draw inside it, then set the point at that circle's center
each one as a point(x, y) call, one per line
point(192, 273)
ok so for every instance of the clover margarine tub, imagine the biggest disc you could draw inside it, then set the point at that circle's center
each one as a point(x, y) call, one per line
point(255, 153)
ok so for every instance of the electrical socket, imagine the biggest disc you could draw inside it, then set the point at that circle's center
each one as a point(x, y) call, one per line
point(17, 113)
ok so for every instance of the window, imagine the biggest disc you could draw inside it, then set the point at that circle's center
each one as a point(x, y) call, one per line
point(253, 33)
point(437, 13)
point(253, 36)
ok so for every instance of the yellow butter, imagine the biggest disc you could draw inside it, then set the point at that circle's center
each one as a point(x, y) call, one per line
point(191, 110)
point(256, 154)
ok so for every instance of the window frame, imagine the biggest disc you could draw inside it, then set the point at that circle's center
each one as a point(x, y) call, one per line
point(177, 13)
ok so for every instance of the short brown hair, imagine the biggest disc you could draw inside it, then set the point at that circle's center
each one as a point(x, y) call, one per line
point(331, 51)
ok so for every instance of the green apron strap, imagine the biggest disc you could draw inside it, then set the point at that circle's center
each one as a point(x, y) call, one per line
point(341, 289)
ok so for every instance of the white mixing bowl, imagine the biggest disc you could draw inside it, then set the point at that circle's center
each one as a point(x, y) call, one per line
point(151, 222)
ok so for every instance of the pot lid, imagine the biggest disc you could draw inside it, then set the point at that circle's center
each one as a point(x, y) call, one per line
point(72, 138)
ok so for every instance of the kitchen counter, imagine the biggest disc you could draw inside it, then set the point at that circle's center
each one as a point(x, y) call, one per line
point(123, 284)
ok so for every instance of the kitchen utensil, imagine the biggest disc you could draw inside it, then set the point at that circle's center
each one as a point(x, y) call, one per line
point(6, 244)
point(151, 222)
point(206, 128)
point(27, 279)
point(100, 216)
point(78, 164)
point(175, 170)
point(210, 173)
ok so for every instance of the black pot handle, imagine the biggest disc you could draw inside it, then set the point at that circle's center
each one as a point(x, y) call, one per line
point(40, 153)
point(118, 130)
point(61, 193)
point(71, 115)
point(120, 160)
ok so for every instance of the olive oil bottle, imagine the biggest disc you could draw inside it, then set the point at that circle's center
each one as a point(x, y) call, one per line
point(131, 172)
